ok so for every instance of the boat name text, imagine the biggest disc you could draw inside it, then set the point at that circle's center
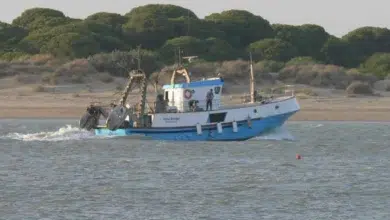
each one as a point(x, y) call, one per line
point(171, 119)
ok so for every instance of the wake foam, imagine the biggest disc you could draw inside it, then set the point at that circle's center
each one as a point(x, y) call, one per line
point(278, 134)
point(63, 134)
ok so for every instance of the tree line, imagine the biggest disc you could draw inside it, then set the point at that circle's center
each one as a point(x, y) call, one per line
point(161, 29)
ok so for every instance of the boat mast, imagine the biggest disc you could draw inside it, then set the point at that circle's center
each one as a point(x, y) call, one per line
point(252, 80)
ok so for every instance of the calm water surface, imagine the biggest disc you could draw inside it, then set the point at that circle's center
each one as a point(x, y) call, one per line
point(49, 170)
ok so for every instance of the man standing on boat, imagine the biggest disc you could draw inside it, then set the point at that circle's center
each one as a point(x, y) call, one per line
point(209, 100)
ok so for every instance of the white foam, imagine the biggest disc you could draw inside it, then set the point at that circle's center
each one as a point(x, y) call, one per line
point(63, 134)
point(277, 134)
point(317, 126)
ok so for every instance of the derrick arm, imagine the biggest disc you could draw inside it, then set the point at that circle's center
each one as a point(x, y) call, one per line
point(129, 86)
point(181, 71)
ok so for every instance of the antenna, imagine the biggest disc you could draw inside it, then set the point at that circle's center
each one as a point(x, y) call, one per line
point(179, 56)
point(190, 58)
point(175, 56)
point(188, 22)
point(139, 57)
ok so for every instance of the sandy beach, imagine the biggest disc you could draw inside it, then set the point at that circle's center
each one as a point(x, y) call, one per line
point(331, 112)
point(70, 101)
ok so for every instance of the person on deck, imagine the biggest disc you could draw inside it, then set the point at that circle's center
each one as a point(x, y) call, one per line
point(209, 100)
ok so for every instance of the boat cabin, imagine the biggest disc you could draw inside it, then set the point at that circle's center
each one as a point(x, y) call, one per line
point(191, 96)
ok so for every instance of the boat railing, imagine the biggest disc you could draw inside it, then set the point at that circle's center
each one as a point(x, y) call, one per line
point(190, 105)
point(196, 105)
point(270, 93)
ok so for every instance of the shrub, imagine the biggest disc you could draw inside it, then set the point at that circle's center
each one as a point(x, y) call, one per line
point(4, 64)
point(38, 88)
point(268, 66)
point(119, 63)
point(25, 67)
point(119, 87)
point(234, 70)
point(203, 69)
point(106, 78)
point(78, 79)
point(357, 75)
point(41, 59)
point(302, 61)
point(75, 71)
point(25, 79)
point(161, 77)
point(4, 72)
point(378, 64)
point(306, 91)
point(263, 70)
point(273, 90)
point(50, 78)
point(360, 88)
point(316, 75)
point(382, 85)
point(76, 67)
point(8, 56)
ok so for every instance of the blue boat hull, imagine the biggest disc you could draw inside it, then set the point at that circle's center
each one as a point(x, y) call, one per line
point(209, 132)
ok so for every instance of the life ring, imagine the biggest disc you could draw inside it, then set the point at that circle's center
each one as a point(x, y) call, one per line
point(187, 94)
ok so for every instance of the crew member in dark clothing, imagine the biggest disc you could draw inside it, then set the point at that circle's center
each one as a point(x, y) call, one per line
point(91, 110)
point(209, 100)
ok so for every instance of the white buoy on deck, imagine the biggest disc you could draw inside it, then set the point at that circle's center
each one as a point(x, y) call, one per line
point(198, 129)
point(219, 128)
point(235, 129)
point(249, 121)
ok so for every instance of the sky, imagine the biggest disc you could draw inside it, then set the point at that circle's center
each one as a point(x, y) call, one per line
point(338, 17)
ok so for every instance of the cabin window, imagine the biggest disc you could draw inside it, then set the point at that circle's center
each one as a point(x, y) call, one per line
point(166, 95)
point(217, 89)
point(217, 117)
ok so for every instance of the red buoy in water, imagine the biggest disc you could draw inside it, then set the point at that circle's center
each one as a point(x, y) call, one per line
point(298, 156)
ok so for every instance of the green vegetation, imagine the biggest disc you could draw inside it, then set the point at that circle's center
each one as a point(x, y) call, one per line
point(46, 41)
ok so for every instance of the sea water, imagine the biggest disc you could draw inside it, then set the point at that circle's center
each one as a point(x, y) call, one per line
point(50, 169)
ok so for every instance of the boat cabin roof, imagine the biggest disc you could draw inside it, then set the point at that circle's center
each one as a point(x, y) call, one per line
point(201, 83)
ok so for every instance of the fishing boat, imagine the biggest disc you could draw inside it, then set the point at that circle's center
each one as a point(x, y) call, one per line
point(180, 112)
